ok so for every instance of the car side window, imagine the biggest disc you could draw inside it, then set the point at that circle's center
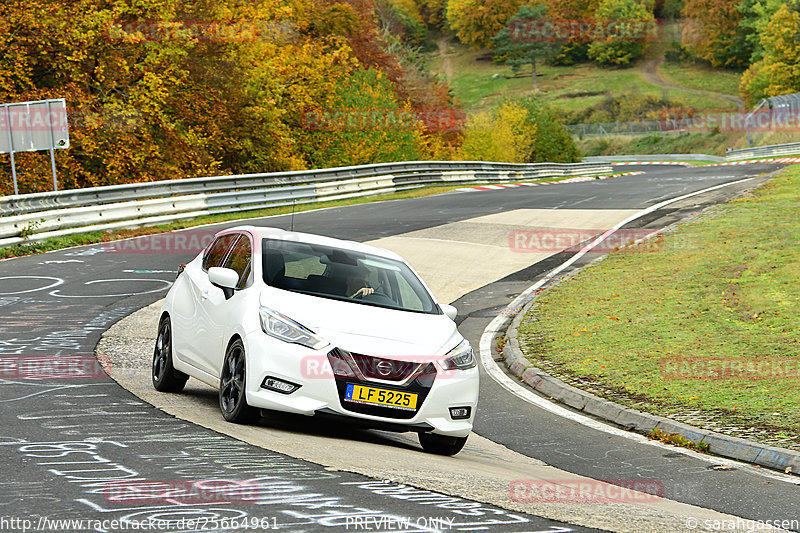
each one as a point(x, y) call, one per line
point(216, 253)
point(239, 259)
point(409, 298)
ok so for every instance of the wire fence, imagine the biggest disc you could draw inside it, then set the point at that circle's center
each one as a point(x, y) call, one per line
point(603, 129)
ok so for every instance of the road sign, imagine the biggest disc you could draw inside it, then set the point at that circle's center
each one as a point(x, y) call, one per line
point(32, 126)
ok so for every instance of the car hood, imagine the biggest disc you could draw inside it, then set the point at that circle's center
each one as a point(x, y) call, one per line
point(367, 329)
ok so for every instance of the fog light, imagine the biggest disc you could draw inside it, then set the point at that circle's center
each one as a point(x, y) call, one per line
point(460, 413)
point(275, 384)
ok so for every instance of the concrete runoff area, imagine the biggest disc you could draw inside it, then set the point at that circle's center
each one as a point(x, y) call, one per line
point(474, 252)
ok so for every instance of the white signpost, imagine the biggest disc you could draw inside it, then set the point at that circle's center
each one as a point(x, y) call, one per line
point(33, 126)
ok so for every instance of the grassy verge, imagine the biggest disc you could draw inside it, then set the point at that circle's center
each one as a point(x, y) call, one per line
point(701, 77)
point(480, 83)
point(720, 289)
point(712, 143)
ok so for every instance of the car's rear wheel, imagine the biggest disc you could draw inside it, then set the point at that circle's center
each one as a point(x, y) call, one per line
point(441, 444)
point(165, 377)
point(232, 398)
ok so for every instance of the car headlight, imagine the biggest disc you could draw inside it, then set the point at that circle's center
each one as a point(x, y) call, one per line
point(284, 328)
point(461, 357)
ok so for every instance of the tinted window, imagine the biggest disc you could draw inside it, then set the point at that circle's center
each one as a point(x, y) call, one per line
point(239, 260)
point(344, 275)
point(216, 254)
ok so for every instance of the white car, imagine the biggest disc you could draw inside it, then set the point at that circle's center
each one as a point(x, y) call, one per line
point(318, 326)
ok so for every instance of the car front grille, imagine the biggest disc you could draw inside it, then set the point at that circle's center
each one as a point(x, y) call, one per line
point(387, 369)
point(404, 376)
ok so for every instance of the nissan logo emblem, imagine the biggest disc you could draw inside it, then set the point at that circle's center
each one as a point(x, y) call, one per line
point(384, 368)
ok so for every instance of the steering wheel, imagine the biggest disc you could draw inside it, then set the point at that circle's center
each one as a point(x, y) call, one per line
point(378, 298)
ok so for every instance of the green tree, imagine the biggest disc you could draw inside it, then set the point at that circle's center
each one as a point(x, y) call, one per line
point(552, 142)
point(504, 134)
point(518, 132)
point(516, 46)
point(623, 26)
point(778, 72)
point(363, 123)
point(756, 14)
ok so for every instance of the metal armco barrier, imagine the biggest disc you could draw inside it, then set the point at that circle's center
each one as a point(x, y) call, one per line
point(763, 151)
point(652, 157)
point(773, 150)
point(32, 217)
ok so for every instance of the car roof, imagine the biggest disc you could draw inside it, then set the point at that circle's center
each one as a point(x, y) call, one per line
point(267, 232)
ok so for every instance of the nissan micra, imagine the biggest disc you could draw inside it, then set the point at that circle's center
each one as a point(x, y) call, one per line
point(307, 324)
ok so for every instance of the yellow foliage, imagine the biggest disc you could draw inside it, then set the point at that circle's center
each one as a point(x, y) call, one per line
point(505, 135)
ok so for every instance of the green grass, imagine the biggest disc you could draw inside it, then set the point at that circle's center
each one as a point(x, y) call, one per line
point(711, 143)
point(480, 84)
point(701, 77)
point(724, 286)
point(692, 143)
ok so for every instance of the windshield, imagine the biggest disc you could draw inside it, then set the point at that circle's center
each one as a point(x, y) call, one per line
point(344, 275)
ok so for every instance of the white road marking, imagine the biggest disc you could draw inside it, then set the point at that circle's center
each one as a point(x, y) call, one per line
point(56, 283)
point(167, 285)
point(526, 394)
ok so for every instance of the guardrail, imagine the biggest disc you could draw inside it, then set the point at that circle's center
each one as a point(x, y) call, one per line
point(763, 151)
point(773, 150)
point(33, 217)
point(652, 157)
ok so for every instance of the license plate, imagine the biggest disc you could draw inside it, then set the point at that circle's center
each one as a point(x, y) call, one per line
point(389, 398)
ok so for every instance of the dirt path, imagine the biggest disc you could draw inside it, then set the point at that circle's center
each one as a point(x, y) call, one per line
point(447, 65)
point(649, 70)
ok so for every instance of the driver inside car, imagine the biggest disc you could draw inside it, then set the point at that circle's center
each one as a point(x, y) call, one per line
point(358, 283)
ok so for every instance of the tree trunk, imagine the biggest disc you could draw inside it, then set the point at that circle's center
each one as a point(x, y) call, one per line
point(535, 81)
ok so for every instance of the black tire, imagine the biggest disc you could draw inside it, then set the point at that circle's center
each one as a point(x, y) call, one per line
point(232, 397)
point(165, 377)
point(441, 444)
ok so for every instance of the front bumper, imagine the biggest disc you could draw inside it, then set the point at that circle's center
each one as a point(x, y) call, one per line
point(321, 392)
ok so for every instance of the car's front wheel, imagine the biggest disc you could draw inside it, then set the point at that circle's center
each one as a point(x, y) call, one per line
point(441, 444)
point(232, 398)
point(165, 377)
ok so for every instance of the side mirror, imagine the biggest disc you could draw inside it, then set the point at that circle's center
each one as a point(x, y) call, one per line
point(225, 278)
point(450, 311)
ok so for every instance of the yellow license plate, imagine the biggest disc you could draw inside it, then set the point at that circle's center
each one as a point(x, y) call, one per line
point(389, 398)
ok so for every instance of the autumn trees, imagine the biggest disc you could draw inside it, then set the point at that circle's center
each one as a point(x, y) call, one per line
point(180, 88)
point(778, 70)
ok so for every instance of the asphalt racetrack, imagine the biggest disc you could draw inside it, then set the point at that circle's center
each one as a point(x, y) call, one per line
point(73, 448)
